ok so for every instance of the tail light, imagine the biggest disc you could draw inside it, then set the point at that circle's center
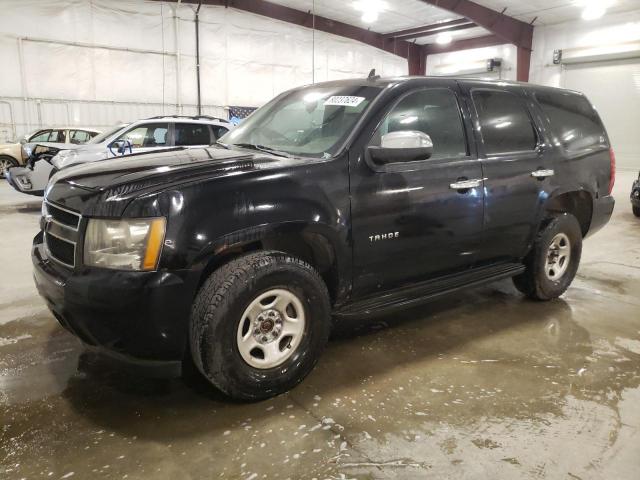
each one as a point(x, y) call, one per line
point(612, 178)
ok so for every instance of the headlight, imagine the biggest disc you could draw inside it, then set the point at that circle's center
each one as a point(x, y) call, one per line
point(63, 158)
point(128, 244)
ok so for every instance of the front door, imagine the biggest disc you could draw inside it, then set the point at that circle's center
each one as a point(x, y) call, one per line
point(517, 167)
point(142, 138)
point(414, 221)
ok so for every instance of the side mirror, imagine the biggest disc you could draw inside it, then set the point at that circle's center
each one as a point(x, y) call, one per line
point(405, 146)
point(23, 140)
point(119, 146)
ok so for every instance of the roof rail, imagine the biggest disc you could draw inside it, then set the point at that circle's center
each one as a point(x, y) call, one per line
point(192, 117)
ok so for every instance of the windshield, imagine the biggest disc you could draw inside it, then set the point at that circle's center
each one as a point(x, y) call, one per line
point(103, 136)
point(312, 122)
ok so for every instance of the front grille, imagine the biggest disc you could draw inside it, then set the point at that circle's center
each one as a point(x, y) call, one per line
point(61, 250)
point(64, 217)
point(61, 233)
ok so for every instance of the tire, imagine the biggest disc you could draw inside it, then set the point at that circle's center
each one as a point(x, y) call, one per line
point(6, 162)
point(636, 211)
point(547, 277)
point(221, 321)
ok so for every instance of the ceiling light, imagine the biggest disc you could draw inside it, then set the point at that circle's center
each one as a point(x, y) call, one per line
point(370, 9)
point(369, 17)
point(443, 39)
point(593, 12)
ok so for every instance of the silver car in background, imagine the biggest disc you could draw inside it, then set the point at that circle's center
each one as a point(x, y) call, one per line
point(141, 136)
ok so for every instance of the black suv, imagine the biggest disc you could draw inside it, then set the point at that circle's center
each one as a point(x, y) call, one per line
point(341, 199)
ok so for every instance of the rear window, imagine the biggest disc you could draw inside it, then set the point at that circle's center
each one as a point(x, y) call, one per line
point(504, 122)
point(573, 119)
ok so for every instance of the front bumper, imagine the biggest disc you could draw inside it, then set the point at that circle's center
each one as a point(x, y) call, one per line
point(20, 179)
point(139, 317)
point(602, 211)
point(635, 194)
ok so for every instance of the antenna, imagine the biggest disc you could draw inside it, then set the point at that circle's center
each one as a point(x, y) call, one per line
point(372, 75)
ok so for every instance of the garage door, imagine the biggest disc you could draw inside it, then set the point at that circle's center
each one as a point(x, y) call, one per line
point(614, 88)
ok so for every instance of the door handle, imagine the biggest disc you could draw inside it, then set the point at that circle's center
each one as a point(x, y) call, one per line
point(542, 174)
point(466, 184)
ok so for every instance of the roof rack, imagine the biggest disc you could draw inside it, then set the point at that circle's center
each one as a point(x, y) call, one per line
point(191, 117)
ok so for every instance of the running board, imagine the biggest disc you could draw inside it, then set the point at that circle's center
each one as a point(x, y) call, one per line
point(416, 294)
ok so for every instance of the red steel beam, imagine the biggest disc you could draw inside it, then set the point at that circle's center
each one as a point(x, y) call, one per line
point(427, 33)
point(508, 28)
point(425, 28)
point(306, 19)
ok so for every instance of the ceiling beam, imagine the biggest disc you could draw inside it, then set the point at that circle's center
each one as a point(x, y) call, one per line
point(466, 44)
point(306, 19)
point(424, 28)
point(507, 28)
point(427, 33)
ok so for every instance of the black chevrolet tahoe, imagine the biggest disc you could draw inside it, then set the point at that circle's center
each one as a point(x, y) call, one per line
point(341, 199)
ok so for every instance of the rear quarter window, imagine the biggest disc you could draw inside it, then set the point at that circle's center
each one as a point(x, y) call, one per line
point(573, 120)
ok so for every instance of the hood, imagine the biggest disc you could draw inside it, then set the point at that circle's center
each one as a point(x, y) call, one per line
point(119, 180)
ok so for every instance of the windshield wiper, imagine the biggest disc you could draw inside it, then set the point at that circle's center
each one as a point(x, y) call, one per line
point(262, 148)
point(223, 145)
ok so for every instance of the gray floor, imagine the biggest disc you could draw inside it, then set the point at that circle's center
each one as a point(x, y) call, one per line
point(483, 385)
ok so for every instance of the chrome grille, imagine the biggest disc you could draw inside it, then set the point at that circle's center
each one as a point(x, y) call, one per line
point(61, 233)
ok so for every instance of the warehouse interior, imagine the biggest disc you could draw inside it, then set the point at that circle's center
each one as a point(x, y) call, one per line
point(484, 383)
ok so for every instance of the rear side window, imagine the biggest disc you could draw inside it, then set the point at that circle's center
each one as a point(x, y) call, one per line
point(573, 120)
point(504, 122)
point(79, 136)
point(434, 112)
point(219, 131)
point(192, 134)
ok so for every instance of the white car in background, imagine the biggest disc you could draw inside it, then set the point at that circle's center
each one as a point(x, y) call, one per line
point(17, 153)
point(137, 137)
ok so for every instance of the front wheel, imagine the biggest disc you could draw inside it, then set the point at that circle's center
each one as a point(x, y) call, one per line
point(259, 324)
point(5, 164)
point(554, 258)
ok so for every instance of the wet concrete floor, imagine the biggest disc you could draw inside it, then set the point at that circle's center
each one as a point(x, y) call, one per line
point(482, 385)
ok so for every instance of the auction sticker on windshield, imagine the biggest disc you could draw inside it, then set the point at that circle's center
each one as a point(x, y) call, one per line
point(344, 101)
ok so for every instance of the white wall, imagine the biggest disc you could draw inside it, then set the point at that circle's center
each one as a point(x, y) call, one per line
point(455, 63)
point(97, 62)
point(610, 30)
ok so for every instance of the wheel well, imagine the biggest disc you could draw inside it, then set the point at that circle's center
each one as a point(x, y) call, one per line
point(579, 204)
point(313, 248)
point(10, 157)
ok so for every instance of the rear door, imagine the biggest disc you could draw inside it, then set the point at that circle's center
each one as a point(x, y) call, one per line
point(192, 135)
point(517, 168)
point(409, 223)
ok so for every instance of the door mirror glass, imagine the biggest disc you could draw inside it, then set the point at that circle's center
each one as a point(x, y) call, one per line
point(402, 146)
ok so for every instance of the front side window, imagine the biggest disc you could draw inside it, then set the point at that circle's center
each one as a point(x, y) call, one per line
point(504, 122)
point(313, 121)
point(42, 136)
point(147, 136)
point(572, 119)
point(434, 112)
point(191, 134)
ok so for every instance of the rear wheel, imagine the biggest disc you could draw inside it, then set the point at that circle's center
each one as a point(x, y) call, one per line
point(5, 164)
point(554, 258)
point(259, 324)
point(636, 211)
